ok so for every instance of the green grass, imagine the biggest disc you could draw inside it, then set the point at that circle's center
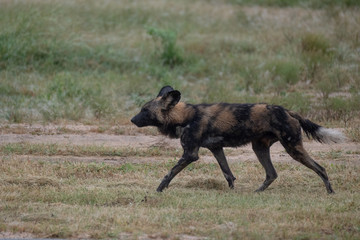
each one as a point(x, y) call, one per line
point(63, 61)
point(105, 201)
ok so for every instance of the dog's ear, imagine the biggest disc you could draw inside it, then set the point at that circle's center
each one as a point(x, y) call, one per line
point(164, 91)
point(170, 99)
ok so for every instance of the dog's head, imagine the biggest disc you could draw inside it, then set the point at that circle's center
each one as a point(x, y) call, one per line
point(153, 113)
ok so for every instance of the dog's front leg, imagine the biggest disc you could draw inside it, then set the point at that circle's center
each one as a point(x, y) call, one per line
point(185, 160)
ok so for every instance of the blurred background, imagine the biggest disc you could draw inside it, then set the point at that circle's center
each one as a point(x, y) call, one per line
point(99, 61)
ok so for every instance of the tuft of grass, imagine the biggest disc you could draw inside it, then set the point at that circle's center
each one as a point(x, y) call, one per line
point(343, 109)
point(317, 54)
point(14, 113)
point(283, 74)
point(315, 43)
point(354, 133)
point(170, 54)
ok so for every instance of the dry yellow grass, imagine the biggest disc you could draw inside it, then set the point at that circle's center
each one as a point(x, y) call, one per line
point(96, 200)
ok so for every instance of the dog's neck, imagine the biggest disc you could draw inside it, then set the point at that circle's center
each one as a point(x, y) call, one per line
point(177, 118)
point(181, 114)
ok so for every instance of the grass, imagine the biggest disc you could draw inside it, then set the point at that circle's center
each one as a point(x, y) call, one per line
point(44, 149)
point(97, 64)
point(61, 61)
point(170, 54)
point(97, 200)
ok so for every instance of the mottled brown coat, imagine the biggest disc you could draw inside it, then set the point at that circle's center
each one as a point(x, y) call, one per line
point(219, 125)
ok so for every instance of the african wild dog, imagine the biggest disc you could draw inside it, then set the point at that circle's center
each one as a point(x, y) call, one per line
point(219, 125)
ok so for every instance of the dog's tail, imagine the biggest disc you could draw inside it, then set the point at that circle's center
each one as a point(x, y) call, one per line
point(317, 132)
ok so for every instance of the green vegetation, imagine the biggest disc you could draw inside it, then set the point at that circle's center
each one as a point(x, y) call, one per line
point(63, 61)
point(170, 54)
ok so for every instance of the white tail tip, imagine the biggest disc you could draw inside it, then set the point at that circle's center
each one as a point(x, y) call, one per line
point(330, 135)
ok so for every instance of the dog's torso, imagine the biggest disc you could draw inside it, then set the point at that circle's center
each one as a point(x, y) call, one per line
point(228, 125)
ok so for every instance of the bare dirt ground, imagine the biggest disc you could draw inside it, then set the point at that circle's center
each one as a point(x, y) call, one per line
point(131, 137)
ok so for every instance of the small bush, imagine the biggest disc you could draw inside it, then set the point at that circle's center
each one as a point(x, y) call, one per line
point(247, 47)
point(311, 43)
point(343, 109)
point(170, 53)
point(295, 101)
point(354, 133)
point(326, 87)
point(283, 73)
point(316, 53)
point(14, 112)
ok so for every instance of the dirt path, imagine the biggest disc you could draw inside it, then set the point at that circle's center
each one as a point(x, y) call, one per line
point(86, 135)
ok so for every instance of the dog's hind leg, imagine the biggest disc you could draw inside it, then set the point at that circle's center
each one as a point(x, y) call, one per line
point(221, 159)
point(262, 151)
point(297, 152)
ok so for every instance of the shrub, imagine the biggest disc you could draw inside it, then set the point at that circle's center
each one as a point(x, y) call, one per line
point(316, 53)
point(170, 53)
point(343, 109)
point(283, 73)
point(311, 43)
point(326, 87)
point(295, 101)
point(13, 112)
